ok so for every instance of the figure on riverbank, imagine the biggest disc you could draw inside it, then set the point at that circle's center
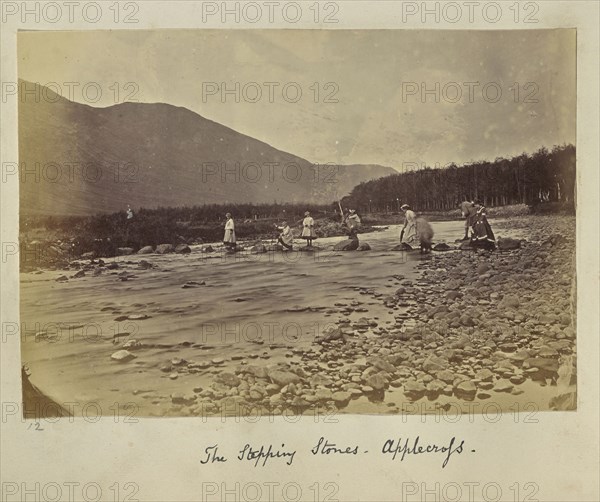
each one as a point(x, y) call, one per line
point(408, 234)
point(229, 237)
point(308, 231)
point(286, 237)
point(469, 213)
point(483, 236)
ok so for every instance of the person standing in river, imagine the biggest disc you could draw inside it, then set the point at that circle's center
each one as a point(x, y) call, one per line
point(408, 234)
point(286, 237)
point(469, 213)
point(308, 231)
point(353, 220)
point(229, 237)
point(353, 223)
point(416, 230)
point(483, 236)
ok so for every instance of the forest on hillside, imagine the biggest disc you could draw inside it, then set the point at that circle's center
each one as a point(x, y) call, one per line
point(544, 176)
point(545, 179)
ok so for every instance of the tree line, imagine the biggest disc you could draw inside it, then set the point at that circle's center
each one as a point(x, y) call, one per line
point(544, 176)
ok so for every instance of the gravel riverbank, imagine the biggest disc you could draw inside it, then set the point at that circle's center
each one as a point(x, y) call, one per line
point(474, 325)
point(376, 331)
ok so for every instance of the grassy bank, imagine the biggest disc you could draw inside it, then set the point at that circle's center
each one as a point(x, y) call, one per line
point(500, 212)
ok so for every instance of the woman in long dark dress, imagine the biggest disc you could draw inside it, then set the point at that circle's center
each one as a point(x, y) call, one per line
point(483, 236)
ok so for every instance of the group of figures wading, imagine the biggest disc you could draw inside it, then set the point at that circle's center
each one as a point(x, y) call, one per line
point(415, 231)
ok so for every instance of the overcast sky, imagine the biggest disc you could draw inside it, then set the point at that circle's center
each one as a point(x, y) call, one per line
point(379, 116)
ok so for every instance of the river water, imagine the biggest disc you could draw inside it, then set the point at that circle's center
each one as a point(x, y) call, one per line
point(255, 308)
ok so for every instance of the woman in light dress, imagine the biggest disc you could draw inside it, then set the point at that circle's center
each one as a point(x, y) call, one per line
point(469, 213)
point(286, 237)
point(353, 220)
point(308, 231)
point(408, 234)
point(229, 237)
point(416, 230)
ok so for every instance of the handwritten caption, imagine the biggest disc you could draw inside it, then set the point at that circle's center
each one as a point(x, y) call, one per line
point(400, 448)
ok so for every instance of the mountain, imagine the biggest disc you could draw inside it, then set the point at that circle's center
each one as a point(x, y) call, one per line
point(76, 159)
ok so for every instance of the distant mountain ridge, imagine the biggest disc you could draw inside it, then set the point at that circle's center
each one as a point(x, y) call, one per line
point(81, 160)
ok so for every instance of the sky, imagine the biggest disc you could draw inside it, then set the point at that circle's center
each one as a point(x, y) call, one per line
point(398, 98)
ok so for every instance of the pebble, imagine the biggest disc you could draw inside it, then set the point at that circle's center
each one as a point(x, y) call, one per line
point(137, 317)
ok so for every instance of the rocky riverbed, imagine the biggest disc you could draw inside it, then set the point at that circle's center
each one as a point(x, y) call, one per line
point(358, 332)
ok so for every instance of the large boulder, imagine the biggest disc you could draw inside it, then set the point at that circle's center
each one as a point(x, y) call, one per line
point(364, 246)
point(146, 250)
point(347, 245)
point(442, 246)
point(506, 244)
point(164, 248)
point(183, 249)
point(124, 251)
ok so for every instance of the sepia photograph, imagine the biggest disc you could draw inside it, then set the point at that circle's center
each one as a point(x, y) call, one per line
point(296, 222)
